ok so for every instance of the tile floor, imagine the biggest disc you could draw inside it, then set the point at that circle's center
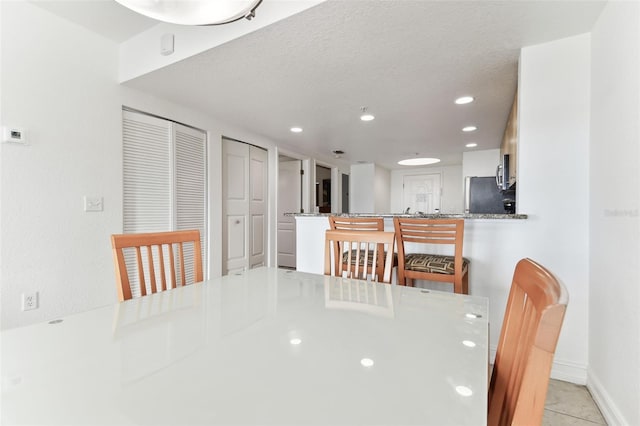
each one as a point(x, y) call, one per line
point(568, 405)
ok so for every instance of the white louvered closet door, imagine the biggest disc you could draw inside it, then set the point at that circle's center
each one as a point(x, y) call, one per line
point(164, 176)
point(190, 187)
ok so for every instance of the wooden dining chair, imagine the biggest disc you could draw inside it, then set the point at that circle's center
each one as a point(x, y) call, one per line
point(358, 224)
point(453, 269)
point(157, 245)
point(530, 330)
point(362, 250)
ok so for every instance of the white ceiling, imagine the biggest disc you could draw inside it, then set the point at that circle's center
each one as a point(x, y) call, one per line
point(405, 60)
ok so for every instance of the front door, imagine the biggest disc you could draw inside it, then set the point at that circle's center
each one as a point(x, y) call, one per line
point(421, 193)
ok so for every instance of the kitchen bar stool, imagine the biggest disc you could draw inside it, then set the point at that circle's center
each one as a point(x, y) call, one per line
point(363, 250)
point(453, 269)
point(360, 224)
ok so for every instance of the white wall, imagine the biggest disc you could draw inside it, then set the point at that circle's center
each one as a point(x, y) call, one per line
point(480, 163)
point(554, 113)
point(381, 190)
point(452, 191)
point(361, 184)
point(59, 81)
point(614, 308)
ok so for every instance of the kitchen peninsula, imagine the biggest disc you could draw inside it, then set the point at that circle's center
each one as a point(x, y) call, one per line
point(487, 238)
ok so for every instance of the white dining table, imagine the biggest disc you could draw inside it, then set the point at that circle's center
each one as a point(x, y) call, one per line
point(264, 347)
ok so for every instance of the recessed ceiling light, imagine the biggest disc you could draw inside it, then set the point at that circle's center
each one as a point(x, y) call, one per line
point(366, 362)
point(471, 145)
point(296, 129)
point(464, 391)
point(464, 100)
point(469, 129)
point(366, 116)
point(418, 161)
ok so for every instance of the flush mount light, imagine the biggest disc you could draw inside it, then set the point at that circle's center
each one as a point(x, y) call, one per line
point(194, 12)
point(471, 145)
point(469, 129)
point(469, 343)
point(365, 115)
point(295, 341)
point(296, 129)
point(418, 161)
point(464, 100)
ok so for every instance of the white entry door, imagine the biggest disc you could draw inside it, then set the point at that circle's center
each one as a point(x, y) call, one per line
point(289, 201)
point(421, 193)
point(244, 192)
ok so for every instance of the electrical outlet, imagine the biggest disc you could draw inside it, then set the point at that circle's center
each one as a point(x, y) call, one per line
point(29, 301)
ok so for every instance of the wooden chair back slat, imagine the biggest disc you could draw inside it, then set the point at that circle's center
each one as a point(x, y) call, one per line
point(172, 264)
point(362, 243)
point(149, 241)
point(528, 339)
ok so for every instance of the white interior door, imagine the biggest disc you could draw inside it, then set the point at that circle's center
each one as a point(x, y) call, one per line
point(258, 206)
point(244, 192)
point(421, 193)
point(289, 201)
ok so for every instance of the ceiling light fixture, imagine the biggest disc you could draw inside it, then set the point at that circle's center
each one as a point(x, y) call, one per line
point(464, 100)
point(471, 145)
point(194, 12)
point(296, 129)
point(469, 129)
point(418, 161)
point(365, 115)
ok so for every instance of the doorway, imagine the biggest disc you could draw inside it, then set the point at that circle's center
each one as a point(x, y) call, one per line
point(289, 201)
point(323, 189)
point(345, 193)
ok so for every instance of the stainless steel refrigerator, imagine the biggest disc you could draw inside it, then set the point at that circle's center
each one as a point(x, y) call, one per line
point(482, 195)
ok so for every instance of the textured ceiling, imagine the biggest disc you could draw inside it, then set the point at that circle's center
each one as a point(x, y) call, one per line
point(405, 60)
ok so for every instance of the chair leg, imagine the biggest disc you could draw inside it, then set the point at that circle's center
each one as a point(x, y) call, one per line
point(457, 285)
point(465, 283)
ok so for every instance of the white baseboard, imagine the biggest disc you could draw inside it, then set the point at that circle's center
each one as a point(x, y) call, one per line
point(607, 407)
point(561, 370)
point(578, 374)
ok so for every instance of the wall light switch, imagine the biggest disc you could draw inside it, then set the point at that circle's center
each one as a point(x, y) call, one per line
point(93, 204)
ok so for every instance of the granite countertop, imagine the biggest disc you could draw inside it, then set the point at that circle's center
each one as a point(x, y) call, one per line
point(422, 215)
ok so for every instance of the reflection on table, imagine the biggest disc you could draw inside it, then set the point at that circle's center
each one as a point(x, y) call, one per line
point(267, 346)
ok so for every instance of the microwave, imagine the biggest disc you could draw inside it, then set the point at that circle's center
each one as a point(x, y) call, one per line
point(502, 173)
